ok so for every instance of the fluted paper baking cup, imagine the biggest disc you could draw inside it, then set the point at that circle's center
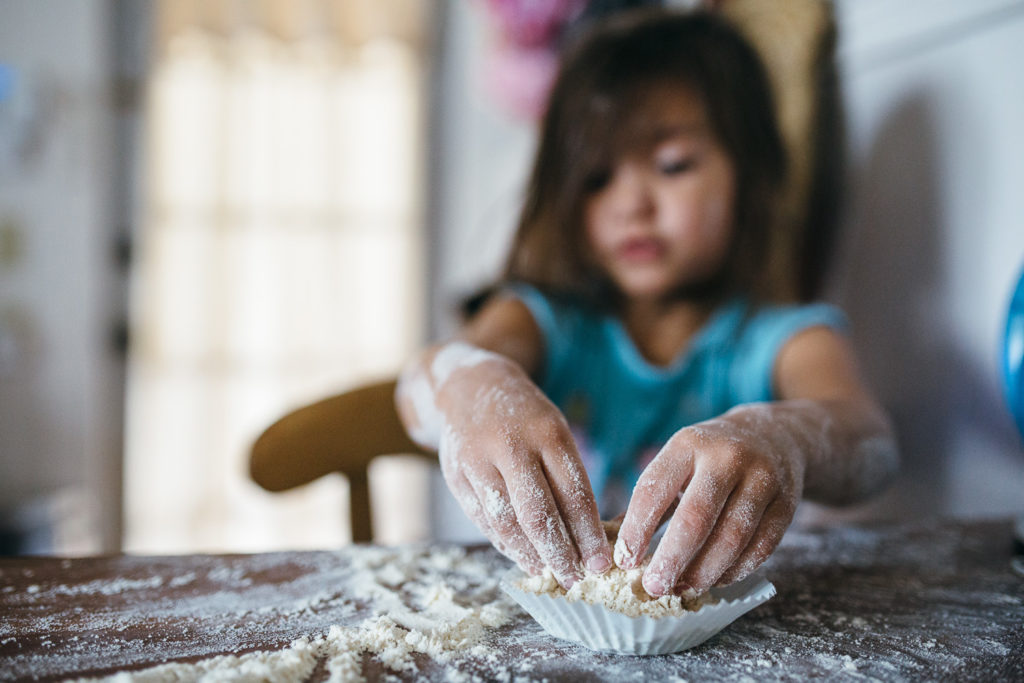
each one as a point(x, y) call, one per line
point(600, 628)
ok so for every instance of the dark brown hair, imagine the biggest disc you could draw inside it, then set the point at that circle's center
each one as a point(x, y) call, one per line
point(604, 81)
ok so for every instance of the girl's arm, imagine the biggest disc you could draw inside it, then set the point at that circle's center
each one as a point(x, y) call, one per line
point(506, 452)
point(738, 478)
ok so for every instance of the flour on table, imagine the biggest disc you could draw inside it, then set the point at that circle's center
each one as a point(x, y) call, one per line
point(294, 663)
point(854, 604)
point(435, 602)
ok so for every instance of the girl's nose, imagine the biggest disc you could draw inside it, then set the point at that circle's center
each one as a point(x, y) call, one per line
point(629, 194)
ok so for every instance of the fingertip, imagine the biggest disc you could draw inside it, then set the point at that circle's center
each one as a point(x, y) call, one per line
point(600, 563)
point(623, 555)
point(567, 581)
point(654, 585)
point(603, 553)
point(685, 591)
point(596, 551)
point(727, 579)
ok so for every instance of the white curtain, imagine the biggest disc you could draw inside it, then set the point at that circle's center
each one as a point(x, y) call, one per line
point(280, 259)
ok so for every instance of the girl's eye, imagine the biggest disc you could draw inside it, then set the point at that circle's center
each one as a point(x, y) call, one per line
point(596, 181)
point(677, 166)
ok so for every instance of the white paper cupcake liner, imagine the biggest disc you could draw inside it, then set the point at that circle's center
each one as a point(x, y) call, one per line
point(599, 628)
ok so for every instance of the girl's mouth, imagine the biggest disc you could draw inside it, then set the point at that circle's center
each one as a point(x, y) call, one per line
point(641, 249)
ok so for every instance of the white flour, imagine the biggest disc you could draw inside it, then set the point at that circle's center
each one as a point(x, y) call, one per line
point(438, 603)
point(457, 355)
point(418, 385)
point(294, 663)
point(620, 590)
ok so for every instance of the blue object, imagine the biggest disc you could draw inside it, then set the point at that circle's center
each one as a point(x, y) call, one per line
point(1013, 356)
point(7, 82)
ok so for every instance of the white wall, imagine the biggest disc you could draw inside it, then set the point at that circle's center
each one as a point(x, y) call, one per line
point(933, 237)
point(482, 157)
point(59, 378)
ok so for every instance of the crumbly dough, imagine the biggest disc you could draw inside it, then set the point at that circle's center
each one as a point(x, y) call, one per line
point(619, 590)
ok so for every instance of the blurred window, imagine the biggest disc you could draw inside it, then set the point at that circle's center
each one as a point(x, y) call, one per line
point(280, 256)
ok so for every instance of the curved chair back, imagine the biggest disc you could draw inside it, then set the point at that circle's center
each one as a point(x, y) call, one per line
point(342, 434)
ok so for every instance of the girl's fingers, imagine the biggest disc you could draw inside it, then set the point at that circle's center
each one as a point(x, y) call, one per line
point(470, 504)
point(655, 492)
point(540, 519)
point(574, 497)
point(691, 525)
point(766, 538)
point(732, 534)
point(492, 504)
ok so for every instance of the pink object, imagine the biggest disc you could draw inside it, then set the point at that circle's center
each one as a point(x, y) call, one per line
point(520, 78)
point(533, 22)
point(524, 54)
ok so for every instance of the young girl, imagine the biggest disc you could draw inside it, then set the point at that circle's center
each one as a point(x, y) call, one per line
point(634, 353)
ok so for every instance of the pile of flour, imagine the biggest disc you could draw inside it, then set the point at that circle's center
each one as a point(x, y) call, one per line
point(438, 603)
point(619, 590)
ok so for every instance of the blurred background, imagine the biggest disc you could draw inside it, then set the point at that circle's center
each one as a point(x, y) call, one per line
point(212, 213)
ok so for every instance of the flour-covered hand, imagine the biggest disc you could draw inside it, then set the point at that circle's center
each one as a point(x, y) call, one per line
point(509, 458)
point(735, 482)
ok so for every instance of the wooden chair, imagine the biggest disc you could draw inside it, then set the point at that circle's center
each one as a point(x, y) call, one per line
point(796, 40)
point(341, 434)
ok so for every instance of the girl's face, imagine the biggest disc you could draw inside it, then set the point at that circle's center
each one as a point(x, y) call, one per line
point(660, 220)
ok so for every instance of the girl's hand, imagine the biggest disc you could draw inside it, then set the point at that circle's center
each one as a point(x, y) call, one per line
point(737, 480)
point(509, 458)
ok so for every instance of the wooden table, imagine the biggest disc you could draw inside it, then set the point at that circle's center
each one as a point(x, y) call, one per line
point(932, 601)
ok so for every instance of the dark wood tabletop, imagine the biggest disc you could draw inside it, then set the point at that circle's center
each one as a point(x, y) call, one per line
point(922, 601)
